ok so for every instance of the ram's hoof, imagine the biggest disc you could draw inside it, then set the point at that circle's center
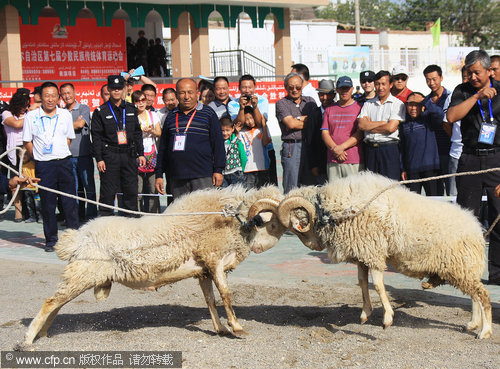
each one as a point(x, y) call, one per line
point(241, 332)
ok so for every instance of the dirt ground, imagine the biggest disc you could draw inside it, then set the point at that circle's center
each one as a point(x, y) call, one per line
point(289, 324)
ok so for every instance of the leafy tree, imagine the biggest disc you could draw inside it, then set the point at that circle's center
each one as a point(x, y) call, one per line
point(477, 20)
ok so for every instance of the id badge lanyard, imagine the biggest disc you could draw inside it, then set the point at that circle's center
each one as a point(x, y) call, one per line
point(488, 130)
point(121, 134)
point(180, 139)
point(48, 144)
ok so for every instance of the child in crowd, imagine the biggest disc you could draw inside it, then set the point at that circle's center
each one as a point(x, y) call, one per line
point(255, 141)
point(236, 157)
point(30, 193)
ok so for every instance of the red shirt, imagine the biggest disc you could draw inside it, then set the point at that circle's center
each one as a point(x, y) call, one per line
point(403, 95)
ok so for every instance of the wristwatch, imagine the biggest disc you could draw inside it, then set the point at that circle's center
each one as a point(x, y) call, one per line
point(299, 118)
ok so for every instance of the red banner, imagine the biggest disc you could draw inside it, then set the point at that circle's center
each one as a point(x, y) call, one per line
point(91, 95)
point(84, 51)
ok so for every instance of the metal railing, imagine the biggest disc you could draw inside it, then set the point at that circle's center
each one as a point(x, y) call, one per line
point(239, 62)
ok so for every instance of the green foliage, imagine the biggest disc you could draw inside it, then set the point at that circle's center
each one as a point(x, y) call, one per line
point(477, 20)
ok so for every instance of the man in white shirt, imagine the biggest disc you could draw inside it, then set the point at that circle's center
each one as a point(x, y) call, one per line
point(307, 88)
point(47, 134)
point(379, 119)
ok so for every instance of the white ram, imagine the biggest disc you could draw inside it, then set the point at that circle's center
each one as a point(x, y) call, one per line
point(153, 251)
point(417, 236)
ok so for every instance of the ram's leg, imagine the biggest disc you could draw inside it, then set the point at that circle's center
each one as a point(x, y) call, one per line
point(483, 297)
point(363, 283)
point(67, 291)
point(221, 284)
point(208, 292)
point(378, 282)
point(476, 316)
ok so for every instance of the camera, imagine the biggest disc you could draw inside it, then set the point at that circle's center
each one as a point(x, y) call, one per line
point(246, 96)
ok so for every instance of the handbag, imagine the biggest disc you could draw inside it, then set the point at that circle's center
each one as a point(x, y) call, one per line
point(150, 158)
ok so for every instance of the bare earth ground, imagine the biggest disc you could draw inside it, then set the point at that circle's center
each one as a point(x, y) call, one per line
point(299, 324)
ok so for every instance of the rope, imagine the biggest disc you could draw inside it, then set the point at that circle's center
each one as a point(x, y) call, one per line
point(353, 213)
point(226, 212)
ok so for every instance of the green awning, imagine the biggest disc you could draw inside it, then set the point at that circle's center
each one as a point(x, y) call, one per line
point(30, 10)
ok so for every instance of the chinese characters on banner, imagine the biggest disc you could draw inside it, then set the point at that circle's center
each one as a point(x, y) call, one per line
point(91, 95)
point(53, 52)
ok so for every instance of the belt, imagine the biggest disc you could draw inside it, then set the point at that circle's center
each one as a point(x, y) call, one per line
point(383, 143)
point(126, 149)
point(291, 140)
point(480, 152)
point(59, 159)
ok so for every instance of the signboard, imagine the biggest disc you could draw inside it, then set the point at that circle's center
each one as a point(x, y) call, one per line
point(91, 94)
point(455, 57)
point(85, 51)
point(348, 60)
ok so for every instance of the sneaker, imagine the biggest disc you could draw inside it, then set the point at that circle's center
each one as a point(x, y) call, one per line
point(30, 220)
point(49, 248)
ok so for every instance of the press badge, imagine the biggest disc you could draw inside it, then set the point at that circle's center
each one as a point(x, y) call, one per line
point(179, 142)
point(487, 134)
point(47, 148)
point(122, 137)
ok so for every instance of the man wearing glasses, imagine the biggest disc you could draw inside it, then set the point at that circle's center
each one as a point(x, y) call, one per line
point(292, 112)
point(400, 78)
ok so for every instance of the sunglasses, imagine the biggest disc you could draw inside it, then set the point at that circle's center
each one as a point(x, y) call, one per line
point(400, 78)
point(141, 100)
point(367, 81)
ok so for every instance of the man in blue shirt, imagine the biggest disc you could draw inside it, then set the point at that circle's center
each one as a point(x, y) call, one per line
point(191, 150)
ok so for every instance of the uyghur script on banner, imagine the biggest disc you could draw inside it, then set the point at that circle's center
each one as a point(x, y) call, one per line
point(50, 51)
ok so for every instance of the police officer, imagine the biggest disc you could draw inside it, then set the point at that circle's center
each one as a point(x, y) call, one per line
point(117, 144)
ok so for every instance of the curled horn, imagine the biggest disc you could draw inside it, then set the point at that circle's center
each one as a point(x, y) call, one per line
point(291, 203)
point(261, 205)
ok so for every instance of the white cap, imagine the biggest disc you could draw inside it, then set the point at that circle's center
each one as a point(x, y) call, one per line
point(399, 69)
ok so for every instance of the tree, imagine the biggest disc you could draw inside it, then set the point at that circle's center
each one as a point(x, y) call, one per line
point(477, 20)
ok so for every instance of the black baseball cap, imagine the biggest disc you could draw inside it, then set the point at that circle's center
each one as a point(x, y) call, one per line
point(116, 82)
point(367, 75)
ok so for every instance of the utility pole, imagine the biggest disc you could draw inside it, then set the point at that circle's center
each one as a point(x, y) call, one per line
point(356, 22)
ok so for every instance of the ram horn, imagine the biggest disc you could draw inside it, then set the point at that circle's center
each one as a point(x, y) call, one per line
point(286, 207)
point(261, 205)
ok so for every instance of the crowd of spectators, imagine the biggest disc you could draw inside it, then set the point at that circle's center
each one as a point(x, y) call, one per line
point(203, 137)
point(151, 54)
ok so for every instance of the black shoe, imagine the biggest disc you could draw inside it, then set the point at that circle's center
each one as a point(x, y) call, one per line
point(18, 220)
point(494, 282)
point(49, 248)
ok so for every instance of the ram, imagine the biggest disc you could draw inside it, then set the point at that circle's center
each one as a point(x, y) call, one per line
point(417, 236)
point(153, 251)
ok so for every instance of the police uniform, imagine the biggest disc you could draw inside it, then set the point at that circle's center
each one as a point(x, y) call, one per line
point(117, 140)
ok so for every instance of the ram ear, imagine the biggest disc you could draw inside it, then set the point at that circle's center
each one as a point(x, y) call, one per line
point(266, 216)
point(297, 213)
point(262, 205)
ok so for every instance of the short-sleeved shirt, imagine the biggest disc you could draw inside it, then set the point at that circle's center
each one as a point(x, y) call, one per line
point(286, 107)
point(45, 131)
point(14, 136)
point(310, 91)
point(341, 123)
point(403, 95)
point(391, 109)
point(233, 107)
point(220, 108)
point(471, 123)
point(148, 139)
point(81, 145)
point(257, 157)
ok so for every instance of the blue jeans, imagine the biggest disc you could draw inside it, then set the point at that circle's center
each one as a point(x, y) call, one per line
point(83, 170)
point(233, 178)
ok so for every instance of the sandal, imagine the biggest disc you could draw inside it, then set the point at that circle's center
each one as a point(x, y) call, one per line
point(18, 220)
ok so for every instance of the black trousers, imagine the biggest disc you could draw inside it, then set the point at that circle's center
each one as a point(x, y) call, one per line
point(432, 188)
point(58, 175)
point(470, 190)
point(384, 160)
point(121, 172)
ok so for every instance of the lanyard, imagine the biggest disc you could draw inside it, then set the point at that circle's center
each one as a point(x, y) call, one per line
point(187, 126)
point(55, 125)
point(481, 109)
point(114, 116)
